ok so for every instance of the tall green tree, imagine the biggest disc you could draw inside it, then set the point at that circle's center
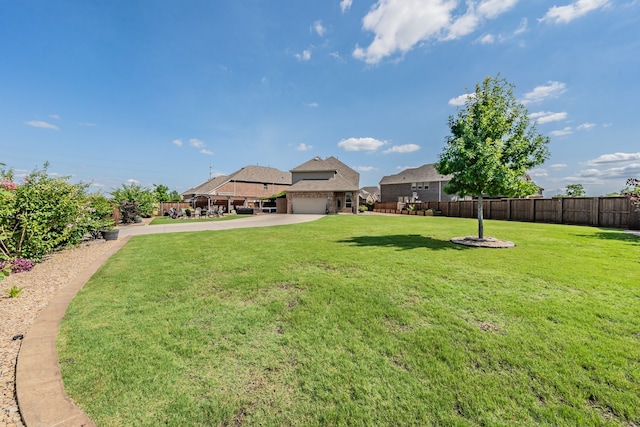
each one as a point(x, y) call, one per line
point(491, 146)
point(574, 190)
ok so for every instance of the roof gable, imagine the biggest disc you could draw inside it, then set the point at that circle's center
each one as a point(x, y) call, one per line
point(261, 174)
point(330, 164)
point(424, 173)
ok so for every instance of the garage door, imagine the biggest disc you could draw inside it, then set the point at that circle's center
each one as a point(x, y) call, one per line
point(309, 205)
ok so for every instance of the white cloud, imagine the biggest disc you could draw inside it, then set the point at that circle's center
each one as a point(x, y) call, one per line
point(133, 181)
point(586, 126)
point(598, 176)
point(366, 168)
point(304, 147)
point(608, 159)
point(87, 124)
point(487, 39)
point(401, 168)
point(542, 117)
point(194, 142)
point(207, 152)
point(43, 125)
point(406, 148)
point(177, 142)
point(337, 56)
point(493, 8)
point(558, 166)
point(345, 5)
point(606, 125)
point(537, 173)
point(522, 27)
point(565, 14)
point(461, 100)
point(304, 56)
point(318, 28)
point(561, 132)
point(361, 144)
point(399, 25)
point(540, 93)
point(54, 116)
point(312, 105)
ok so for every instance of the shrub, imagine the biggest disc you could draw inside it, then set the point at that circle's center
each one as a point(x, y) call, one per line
point(43, 214)
point(17, 265)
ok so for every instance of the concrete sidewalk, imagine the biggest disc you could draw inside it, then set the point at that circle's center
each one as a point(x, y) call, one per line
point(39, 386)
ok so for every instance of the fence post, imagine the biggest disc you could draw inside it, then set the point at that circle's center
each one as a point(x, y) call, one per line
point(595, 211)
point(508, 209)
point(634, 217)
point(533, 210)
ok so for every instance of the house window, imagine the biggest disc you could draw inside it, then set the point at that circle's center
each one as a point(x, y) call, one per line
point(426, 186)
point(265, 186)
point(347, 200)
point(414, 185)
point(419, 186)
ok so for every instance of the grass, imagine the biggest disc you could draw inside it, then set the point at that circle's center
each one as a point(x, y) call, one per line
point(360, 320)
point(163, 220)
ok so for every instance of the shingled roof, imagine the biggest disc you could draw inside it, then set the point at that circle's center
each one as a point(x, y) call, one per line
point(337, 183)
point(256, 174)
point(317, 164)
point(424, 173)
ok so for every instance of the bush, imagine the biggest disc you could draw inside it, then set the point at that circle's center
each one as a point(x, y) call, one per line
point(132, 193)
point(44, 214)
point(17, 265)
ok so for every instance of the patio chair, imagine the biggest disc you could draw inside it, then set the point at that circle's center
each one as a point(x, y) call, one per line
point(198, 212)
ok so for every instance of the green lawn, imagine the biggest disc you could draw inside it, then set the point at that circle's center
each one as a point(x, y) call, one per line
point(361, 320)
point(163, 220)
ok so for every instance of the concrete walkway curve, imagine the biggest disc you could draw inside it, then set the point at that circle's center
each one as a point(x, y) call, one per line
point(39, 388)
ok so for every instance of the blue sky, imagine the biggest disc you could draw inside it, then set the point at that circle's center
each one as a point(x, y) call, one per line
point(166, 92)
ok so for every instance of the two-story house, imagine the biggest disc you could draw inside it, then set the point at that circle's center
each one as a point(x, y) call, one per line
point(323, 186)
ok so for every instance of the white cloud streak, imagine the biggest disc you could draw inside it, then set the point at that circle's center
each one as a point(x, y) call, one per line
point(586, 126)
point(42, 125)
point(542, 117)
point(406, 148)
point(304, 147)
point(566, 14)
point(561, 132)
point(194, 142)
point(207, 152)
point(540, 93)
point(345, 5)
point(177, 142)
point(361, 144)
point(615, 158)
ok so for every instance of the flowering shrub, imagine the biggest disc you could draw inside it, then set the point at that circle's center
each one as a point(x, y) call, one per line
point(633, 191)
point(17, 265)
point(142, 197)
point(8, 185)
point(44, 214)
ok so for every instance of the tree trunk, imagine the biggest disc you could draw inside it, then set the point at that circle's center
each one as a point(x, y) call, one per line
point(480, 223)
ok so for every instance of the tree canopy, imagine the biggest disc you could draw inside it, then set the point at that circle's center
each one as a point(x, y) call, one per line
point(491, 146)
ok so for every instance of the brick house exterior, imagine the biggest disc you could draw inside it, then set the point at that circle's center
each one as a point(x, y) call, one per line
point(422, 184)
point(244, 187)
point(323, 186)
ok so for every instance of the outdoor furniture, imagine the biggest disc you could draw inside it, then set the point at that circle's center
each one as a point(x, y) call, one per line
point(198, 212)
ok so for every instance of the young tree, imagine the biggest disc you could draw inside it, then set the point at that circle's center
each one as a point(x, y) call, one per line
point(574, 190)
point(492, 145)
point(632, 192)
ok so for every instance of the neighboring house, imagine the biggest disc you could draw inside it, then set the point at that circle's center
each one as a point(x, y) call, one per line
point(422, 184)
point(369, 195)
point(323, 186)
point(244, 187)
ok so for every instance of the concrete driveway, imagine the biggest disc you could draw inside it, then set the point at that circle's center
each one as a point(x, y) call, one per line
point(184, 225)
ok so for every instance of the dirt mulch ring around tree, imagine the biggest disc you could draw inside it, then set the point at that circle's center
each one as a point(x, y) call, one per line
point(487, 242)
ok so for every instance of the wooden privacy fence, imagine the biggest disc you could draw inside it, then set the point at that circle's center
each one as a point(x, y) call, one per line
point(614, 212)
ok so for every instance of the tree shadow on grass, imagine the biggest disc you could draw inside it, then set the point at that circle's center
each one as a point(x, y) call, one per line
point(617, 235)
point(404, 242)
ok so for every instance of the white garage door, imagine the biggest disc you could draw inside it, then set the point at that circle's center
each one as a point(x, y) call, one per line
point(309, 205)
